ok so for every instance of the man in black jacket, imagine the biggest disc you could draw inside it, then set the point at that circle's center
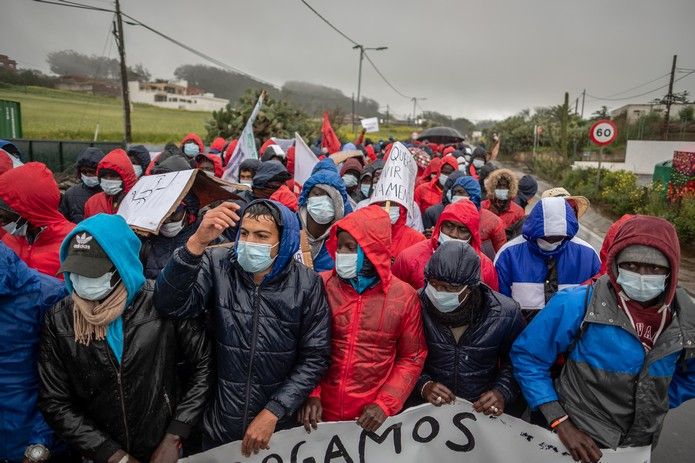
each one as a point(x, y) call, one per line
point(271, 319)
point(108, 361)
point(72, 203)
point(469, 330)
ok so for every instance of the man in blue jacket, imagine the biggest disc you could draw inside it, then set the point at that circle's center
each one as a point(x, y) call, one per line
point(323, 202)
point(546, 258)
point(25, 296)
point(629, 344)
point(271, 319)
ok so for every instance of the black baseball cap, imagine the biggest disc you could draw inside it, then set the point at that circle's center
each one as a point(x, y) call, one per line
point(86, 257)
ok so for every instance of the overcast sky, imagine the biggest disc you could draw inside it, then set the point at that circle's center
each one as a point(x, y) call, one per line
point(473, 58)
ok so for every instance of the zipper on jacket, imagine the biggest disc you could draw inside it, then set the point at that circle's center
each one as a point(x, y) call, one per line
point(120, 388)
point(254, 340)
point(348, 359)
point(166, 399)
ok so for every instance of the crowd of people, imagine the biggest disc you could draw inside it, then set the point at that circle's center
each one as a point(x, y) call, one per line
point(290, 305)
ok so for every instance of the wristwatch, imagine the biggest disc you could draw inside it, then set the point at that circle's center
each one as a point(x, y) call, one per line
point(37, 453)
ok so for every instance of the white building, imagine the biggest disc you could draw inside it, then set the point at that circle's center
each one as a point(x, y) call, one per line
point(174, 95)
point(634, 111)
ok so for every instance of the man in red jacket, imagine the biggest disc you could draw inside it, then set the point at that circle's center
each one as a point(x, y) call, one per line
point(377, 332)
point(459, 221)
point(29, 199)
point(430, 193)
point(116, 177)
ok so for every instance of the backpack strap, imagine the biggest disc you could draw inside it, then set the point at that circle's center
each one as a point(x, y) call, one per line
point(584, 324)
point(305, 249)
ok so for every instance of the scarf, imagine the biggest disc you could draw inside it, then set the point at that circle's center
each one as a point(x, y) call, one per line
point(92, 317)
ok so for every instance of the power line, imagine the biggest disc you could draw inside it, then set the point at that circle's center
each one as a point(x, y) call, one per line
point(638, 86)
point(641, 94)
point(384, 77)
point(328, 22)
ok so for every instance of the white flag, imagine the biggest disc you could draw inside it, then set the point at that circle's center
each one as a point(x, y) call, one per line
point(246, 148)
point(304, 160)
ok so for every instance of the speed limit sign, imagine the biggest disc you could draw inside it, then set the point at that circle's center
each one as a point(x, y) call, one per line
point(603, 132)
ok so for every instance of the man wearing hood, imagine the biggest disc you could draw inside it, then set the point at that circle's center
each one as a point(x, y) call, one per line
point(25, 297)
point(430, 193)
point(546, 258)
point(74, 199)
point(377, 330)
point(108, 360)
point(350, 173)
point(502, 187)
point(192, 145)
point(322, 203)
point(116, 178)
point(272, 321)
point(210, 163)
point(460, 222)
point(460, 187)
point(474, 366)
point(629, 343)
point(140, 157)
point(528, 187)
point(270, 176)
point(34, 229)
point(247, 171)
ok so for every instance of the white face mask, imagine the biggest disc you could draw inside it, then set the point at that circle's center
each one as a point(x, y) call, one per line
point(457, 198)
point(442, 179)
point(171, 229)
point(444, 301)
point(138, 170)
point(462, 166)
point(14, 229)
point(478, 163)
point(321, 209)
point(364, 188)
point(394, 214)
point(349, 180)
point(111, 187)
point(92, 289)
point(502, 193)
point(246, 182)
point(641, 288)
point(89, 180)
point(191, 149)
point(444, 238)
point(346, 265)
point(547, 246)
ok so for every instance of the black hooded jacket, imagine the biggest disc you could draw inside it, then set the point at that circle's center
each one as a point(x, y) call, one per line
point(479, 361)
point(142, 155)
point(74, 199)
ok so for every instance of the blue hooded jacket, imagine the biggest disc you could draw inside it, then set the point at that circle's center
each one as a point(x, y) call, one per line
point(123, 248)
point(25, 296)
point(522, 266)
point(471, 186)
point(325, 164)
point(323, 260)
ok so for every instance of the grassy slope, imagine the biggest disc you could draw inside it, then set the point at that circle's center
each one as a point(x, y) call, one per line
point(59, 114)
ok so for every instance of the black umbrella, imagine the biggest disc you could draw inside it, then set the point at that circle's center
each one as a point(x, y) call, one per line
point(441, 135)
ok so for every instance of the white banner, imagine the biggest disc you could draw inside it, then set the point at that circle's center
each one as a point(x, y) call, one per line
point(397, 181)
point(284, 143)
point(370, 124)
point(304, 160)
point(246, 148)
point(450, 433)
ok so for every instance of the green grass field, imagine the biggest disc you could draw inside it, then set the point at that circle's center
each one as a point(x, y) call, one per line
point(62, 115)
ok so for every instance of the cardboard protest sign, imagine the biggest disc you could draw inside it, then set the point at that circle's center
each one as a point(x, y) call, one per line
point(397, 181)
point(304, 160)
point(154, 197)
point(450, 433)
point(370, 124)
point(246, 148)
point(342, 156)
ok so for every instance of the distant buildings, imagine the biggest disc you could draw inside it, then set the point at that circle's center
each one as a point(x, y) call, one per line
point(7, 63)
point(174, 95)
point(634, 111)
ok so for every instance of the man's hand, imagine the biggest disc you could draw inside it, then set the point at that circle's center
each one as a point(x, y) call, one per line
point(118, 456)
point(579, 444)
point(258, 434)
point(168, 450)
point(372, 417)
point(437, 394)
point(310, 414)
point(490, 403)
point(214, 223)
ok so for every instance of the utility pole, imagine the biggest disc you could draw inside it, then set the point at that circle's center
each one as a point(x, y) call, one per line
point(118, 33)
point(362, 49)
point(576, 106)
point(415, 100)
point(669, 98)
point(387, 114)
point(583, 98)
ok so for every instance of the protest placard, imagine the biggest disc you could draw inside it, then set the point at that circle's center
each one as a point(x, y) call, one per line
point(304, 160)
point(371, 124)
point(397, 181)
point(342, 156)
point(450, 433)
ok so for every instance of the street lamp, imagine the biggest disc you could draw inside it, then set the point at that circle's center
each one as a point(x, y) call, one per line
point(362, 49)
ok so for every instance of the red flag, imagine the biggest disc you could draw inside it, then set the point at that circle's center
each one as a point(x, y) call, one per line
point(329, 139)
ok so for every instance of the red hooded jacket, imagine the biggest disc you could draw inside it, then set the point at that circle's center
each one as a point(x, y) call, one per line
point(410, 264)
point(218, 144)
point(194, 137)
point(378, 346)
point(31, 191)
point(432, 168)
point(118, 161)
point(230, 149)
point(430, 193)
point(216, 162)
point(513, 214)
point(402, 236)
point(285, 196)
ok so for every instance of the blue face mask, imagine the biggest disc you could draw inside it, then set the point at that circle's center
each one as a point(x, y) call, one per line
point(444, 301)
point(138, 170)
point(254, 257)
point(478, 163)
point(321, 209)
point(364, 188)
point(346, 265)
point(502, 194)
point(641, 288)
point(442, 179)
point(349, 180)
point(89, 180)
point(394, 214)
point(111, 187)
point(92, 289)
point(191, 149)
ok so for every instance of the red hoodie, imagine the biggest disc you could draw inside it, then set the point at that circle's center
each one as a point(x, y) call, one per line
point(378, 346)
point(432, 168)
point(31, 191)
point(218, 144)
point(118, 161)
point(285, 196)
point(410, 264)
point(430, 193)
point(216, 162)
point(230, 150)
point(194, 137)
point(402, 236)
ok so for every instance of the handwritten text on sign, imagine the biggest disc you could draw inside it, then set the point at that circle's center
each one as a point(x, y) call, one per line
point(451, 433)
point(397, 180)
